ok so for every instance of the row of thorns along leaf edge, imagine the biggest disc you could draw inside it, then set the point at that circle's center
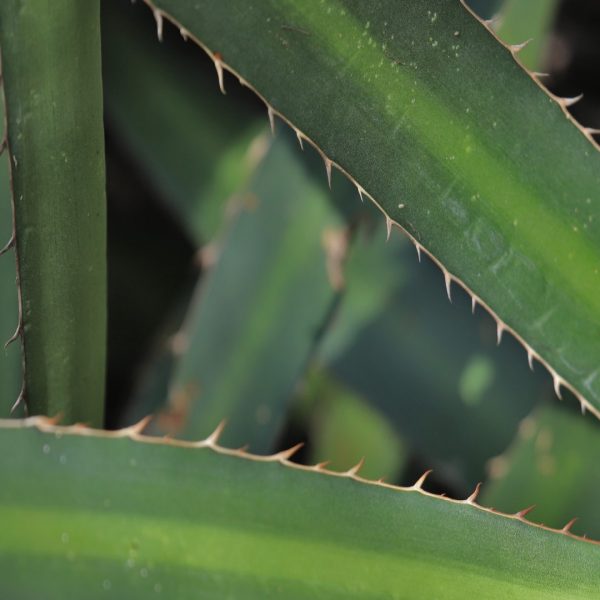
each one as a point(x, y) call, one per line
point(449, 278)
point(49, 425)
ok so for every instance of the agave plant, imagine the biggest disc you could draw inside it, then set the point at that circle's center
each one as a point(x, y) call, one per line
point(306, 316)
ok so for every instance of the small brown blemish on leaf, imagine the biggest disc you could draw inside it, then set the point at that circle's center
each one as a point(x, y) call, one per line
point(335, 244)
point(173, 419)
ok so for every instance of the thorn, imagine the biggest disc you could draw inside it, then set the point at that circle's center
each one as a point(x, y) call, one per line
point(213, 438)
point(299, 136)
point(18, 401)
point(418, 485)
point(591, 130)
point(320, 466)
point(539, 75)
point(271, 119)
point(138, 428)
point(557, 383)
point(219, 67)
point(159, 24)
point(448, 281)
point(495, 22)
point(356, 468)
point(328, 169)
point(360, 193)
point(3, 145)
point(530, 358)
point(473, 304)
point(522, 513)
point(566, 102)
point(287, 454)
point(499, 332)
point(473, 497)
point(14, 337)
point(184, 34)
point(9, 245)
point(418, 247)
point(516, 48)
point(583, 409)
point(567, 527)
point(388, 226)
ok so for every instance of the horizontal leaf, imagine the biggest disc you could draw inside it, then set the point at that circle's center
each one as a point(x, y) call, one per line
point(106, 513)
point(437, 123)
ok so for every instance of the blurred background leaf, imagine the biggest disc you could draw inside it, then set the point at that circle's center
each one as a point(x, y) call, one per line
point(552, 464)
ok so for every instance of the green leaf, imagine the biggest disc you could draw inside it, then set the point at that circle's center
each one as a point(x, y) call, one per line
point(258, 313)
point(103, 512)
point(553, 463)
point(435, 120)
point(52, 84)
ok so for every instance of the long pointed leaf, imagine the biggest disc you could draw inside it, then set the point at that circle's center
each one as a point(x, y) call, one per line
point(113, 516)
point(52, 84)
point(455, 142)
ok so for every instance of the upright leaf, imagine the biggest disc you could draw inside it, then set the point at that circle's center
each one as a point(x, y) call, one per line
point(52, 85)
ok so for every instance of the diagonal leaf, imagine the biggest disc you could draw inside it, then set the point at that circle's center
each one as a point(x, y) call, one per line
point(103, 512)
point(256, 316)
point(52, 84)
point(455, 142)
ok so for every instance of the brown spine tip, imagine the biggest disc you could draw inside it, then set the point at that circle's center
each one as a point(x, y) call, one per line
point(418, 485)
point(213, 438)
point(287, 454)
point(473, 497)
point(448, 282)
point(138, 428)
point(388, 227)
point(356, 468)
point(567, 527)
point(522, 513)
point(499, 332)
